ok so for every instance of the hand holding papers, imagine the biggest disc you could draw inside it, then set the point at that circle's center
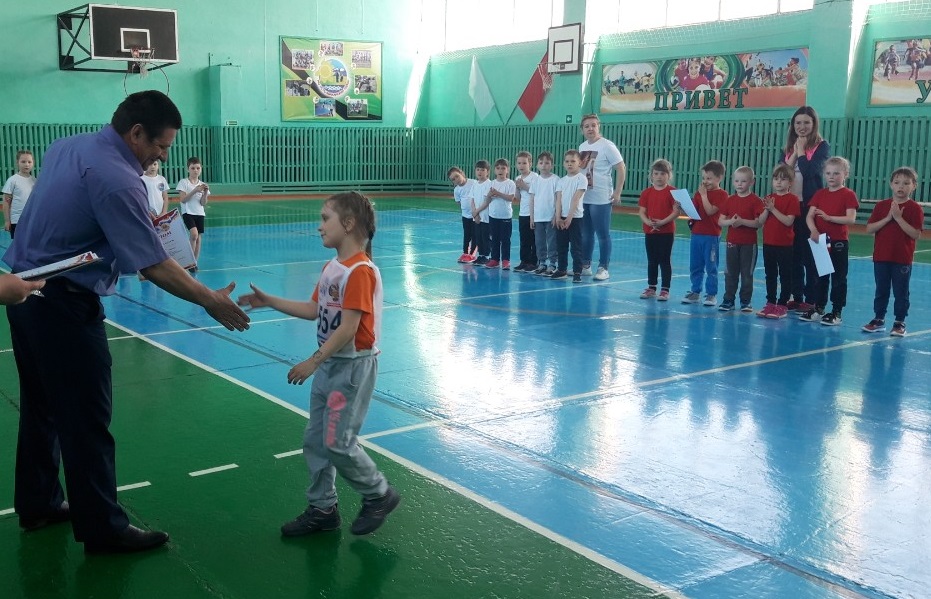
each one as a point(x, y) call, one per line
point(819, 251)
point(52, 270)
point(685, 200)
point(175, 238)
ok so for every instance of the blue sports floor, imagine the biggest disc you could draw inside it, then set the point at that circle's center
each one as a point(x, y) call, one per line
point(706, 454)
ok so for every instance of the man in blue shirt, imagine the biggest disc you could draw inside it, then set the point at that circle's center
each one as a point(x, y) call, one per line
point(90, 198)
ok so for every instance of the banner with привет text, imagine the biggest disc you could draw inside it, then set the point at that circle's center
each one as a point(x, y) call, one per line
point(748, 80)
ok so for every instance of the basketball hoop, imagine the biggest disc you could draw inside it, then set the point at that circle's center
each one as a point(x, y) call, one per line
point(142, 58)
point(142, 61)
point(545, 76)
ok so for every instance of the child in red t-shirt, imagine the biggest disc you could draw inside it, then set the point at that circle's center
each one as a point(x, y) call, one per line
point(831, 210)
point(706, 235)
point(740, 215)
point(658, 212)
point(897, 223)
point(780, 209)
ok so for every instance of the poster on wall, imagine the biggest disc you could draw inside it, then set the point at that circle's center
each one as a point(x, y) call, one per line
point(330, 80)
point(901, 72)
point(764, 79)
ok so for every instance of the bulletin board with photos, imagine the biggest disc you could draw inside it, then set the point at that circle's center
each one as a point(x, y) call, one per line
point(330, 80)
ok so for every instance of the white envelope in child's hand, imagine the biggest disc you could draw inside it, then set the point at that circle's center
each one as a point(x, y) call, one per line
point(822, 257)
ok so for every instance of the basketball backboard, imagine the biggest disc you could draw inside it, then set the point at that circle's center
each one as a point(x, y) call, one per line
point(101, 37)
point(564, 47)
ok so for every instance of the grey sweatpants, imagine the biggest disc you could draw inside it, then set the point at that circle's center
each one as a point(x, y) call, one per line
point(741, 262)
point(339, 400)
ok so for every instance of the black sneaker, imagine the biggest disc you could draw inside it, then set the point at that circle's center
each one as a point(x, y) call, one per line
point(576, 277)
point(559, 275)
point(831, 319)
point(313, 519)
point(374, 511)
point(540, 271)
point(812, 315)
point(481, 260)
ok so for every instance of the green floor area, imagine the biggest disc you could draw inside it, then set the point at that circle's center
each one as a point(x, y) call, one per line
point(172, 418)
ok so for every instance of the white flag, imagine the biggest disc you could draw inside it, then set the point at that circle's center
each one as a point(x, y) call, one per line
point(479, 92)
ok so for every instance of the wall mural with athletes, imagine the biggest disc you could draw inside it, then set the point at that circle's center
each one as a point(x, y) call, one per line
point(901, 72)
point(765, 79)
point(330, 80)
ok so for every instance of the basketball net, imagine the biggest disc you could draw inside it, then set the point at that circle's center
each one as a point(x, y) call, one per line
point(545, 76)
point(142, 57)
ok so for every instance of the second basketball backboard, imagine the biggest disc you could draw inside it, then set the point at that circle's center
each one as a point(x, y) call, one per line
point(564, 47)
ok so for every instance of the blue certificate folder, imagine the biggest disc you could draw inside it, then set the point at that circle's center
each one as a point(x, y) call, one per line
point(53, 270)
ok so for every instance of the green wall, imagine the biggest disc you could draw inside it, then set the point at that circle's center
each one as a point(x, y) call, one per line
point(243, 33)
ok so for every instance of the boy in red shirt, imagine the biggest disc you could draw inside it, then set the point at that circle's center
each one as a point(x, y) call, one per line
point(706, 235)
point(896, 222)
point(780, 209)
point(831, 210)
point(740, 215)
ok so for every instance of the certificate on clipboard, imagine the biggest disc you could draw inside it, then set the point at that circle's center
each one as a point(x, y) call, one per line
point(56, 268)
point(685, 200)
point(175, 238)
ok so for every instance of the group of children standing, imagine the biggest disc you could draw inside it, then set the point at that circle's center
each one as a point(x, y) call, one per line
point(549, 220)
point(192, 195)
point(550, 228)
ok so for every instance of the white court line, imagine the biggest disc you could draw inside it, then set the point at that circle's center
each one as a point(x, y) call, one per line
point(123, 488)
point(578, 548)
point(513, 516)
point(212, 470)
point(134, 486)
point(288, 454)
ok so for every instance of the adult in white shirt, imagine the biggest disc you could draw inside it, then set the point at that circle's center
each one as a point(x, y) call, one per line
point(599, 157)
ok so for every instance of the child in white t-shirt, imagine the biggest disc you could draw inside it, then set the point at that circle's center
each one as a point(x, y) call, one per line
point(193, 194)
point(462, 194)
point(17, 189)
point(542, 209)
point(156, 187)
point(568, 217)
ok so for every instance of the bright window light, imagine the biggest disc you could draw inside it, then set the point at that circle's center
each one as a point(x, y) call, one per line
point(468, 24)
point(686, 12)
point(741, 9)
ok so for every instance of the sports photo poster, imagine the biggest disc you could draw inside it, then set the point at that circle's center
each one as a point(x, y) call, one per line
point(901, 72)
point(330, 80)
point(759, 79)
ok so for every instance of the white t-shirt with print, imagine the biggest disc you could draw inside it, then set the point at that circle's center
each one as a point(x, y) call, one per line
point(598, 161)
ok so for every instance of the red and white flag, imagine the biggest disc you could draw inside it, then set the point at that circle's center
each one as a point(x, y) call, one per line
point(540, 82)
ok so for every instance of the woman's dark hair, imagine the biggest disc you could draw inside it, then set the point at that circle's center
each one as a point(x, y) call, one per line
point(813, 140)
